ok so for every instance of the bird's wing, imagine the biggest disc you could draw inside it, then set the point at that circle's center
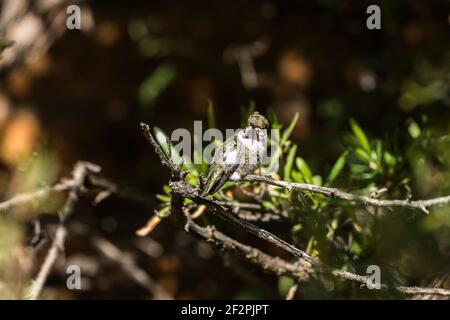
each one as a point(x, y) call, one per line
point(220, 170)
point(217, 177)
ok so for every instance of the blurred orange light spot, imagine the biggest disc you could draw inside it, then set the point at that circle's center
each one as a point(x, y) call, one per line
point(19, 137)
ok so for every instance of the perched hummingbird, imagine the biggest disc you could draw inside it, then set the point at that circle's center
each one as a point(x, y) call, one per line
point(239, 155)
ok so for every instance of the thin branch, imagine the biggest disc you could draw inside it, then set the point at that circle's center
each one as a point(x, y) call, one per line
point(186, 191)
point(79, 173)
point(339, 194)
point(123, 259)
point(259, 216)
point(93, 181)
point(119, 190)
point(292, 291)
point(33, 196)
point(296, 270)
point(162, 156)
point(52, 254)
point(255, 211)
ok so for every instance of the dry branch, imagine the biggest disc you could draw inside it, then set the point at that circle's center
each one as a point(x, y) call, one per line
point(339, 194)
point(297, 270)
point(79, 174)
point(123, 259)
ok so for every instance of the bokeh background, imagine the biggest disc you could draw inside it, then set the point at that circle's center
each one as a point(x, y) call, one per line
point(69, 95)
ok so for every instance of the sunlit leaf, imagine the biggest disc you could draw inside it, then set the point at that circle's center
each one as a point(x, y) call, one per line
point(166, 189)
point(289, 162)
point(162, 140)
point(360, 135)
point(362, 155)
point(389, 159)
point(317, 180)
point(337, 168)
point(297, 176)
point(304, 169)
point(268, 205)
point(414, 130)
point(163, 197)
point(287, 132)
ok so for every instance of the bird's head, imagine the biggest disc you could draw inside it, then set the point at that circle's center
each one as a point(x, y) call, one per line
point(257, 120)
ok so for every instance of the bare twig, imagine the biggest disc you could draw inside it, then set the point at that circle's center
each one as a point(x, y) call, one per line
point(93, 181)
point(186, 191)
point(162, 156)
point(259, 216)
point(33, 28)
point(299, 270)
point(123, 259)
point(254, 211)
point(292, 291)
point(119, 190)
point(339, 194)
point(78, 176)
point(34, 196)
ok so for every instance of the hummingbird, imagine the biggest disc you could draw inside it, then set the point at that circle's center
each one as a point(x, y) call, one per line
point(239, 155)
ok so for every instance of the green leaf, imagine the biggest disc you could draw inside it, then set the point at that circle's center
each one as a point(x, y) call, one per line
point(289, 162)
point(358, 168)
point(304, 169)
point(287, 132)
point(162, 140)
point(192, 179)
point(360, 135)
point(166, 189)
point(414, 130)
point(334, 224)
point(211, 115)
point(275, 157)
point(310, 245)
point(297, 176)
point(337, 168)
point(389, 159)
point(317, 180)
point(362, 155)
point(355, 248)
point(268, 205)
point(155, 84)
point(164, 211)
point(163, 197)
